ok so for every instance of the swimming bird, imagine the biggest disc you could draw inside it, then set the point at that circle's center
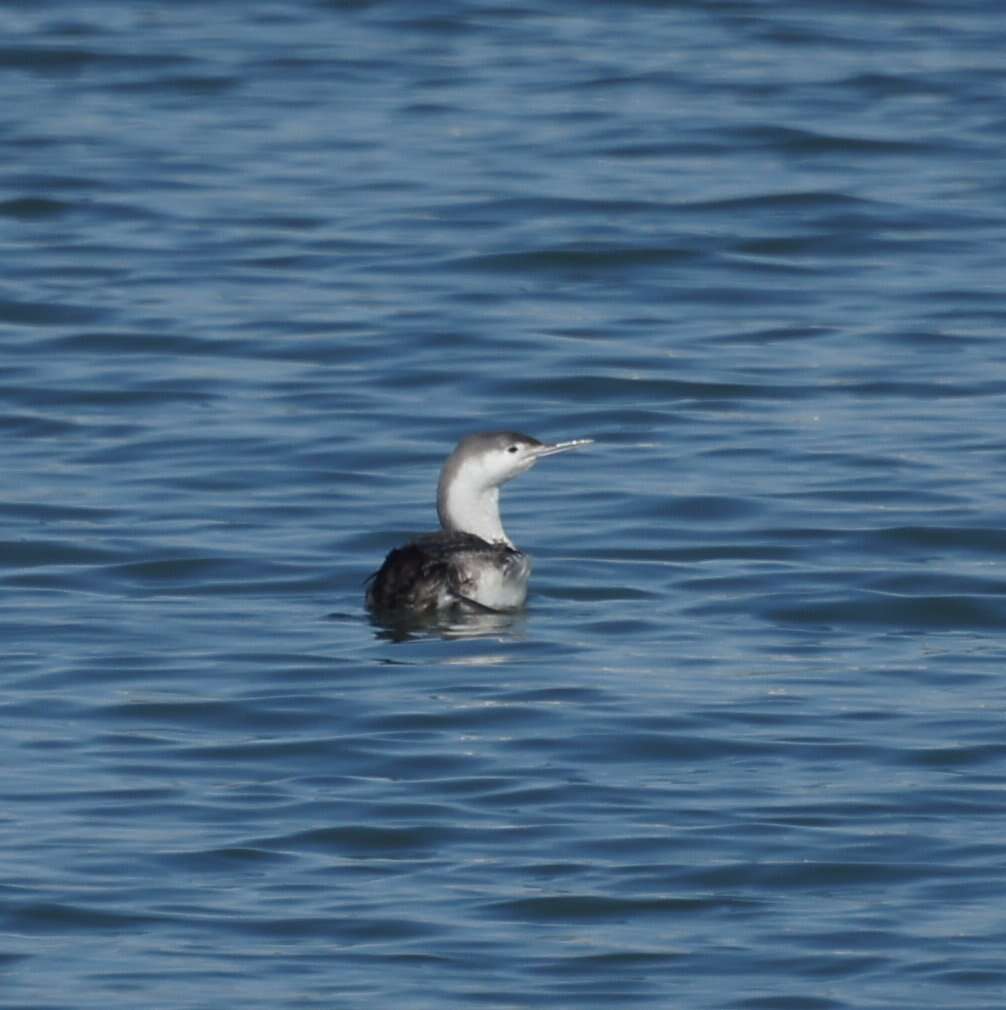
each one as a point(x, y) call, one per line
point(470, 562)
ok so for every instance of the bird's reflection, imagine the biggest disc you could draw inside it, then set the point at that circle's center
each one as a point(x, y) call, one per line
point(458, 622)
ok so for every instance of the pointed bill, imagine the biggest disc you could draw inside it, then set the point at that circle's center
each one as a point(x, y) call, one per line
point(551, 450)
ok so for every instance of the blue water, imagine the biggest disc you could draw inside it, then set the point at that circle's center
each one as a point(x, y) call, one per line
point(264, 263)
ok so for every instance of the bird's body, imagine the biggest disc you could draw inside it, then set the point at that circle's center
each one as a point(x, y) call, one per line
point(471, 562)
point(443, 569)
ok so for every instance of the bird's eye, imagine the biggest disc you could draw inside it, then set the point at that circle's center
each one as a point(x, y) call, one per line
point(512, 448)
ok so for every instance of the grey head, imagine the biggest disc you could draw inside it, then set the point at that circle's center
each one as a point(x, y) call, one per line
point(468, 492)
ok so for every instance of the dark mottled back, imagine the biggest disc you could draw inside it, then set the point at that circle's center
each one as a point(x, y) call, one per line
point(416, 576)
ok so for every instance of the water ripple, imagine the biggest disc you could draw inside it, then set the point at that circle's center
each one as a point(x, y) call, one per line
point(265, 265)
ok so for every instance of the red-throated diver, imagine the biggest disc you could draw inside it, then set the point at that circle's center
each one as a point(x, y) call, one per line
point(471, 561)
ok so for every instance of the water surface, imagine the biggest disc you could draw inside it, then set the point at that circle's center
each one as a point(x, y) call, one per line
point(265, 264)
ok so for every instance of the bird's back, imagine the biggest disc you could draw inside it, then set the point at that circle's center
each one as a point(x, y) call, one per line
point(448, 569)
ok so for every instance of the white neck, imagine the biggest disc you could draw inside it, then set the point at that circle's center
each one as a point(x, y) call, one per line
point(465, 506)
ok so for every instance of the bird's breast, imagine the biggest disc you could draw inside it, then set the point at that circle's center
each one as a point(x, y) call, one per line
point(499, 581)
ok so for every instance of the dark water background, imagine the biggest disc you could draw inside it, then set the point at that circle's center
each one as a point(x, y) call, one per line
point(263, 264)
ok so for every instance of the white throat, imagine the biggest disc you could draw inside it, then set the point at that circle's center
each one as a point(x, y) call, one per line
point(466, 504)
